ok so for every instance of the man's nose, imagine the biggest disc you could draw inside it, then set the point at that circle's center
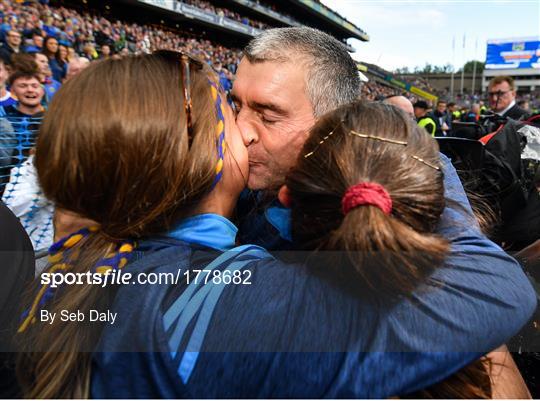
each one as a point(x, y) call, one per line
point(247, 130)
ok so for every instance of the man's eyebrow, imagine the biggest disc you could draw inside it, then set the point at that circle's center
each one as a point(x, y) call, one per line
point(267, 106)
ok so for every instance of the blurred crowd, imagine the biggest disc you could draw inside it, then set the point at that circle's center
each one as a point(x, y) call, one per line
point(225, 12)
point(62, 34)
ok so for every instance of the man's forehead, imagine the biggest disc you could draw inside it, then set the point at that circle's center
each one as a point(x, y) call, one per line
point(269, 79)
point(501, 85)
point(26, 81)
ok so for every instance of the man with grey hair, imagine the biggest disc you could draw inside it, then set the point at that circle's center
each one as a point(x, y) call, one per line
point(288, 78)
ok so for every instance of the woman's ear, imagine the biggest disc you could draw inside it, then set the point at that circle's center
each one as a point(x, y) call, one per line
point(284, 196)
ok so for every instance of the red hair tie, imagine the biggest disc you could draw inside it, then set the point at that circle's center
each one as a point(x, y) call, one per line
point(366, 193)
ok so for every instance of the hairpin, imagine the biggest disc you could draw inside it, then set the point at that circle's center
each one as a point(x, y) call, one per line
point(322, 140)
point(426, 163)
point(394, 141)
point(377, 138)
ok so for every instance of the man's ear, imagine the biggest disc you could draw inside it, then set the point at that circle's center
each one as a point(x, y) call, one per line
point(284, 196)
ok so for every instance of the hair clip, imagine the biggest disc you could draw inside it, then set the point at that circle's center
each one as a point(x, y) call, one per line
point(394, 141)
point(426, 163)
point(377, 138)
point(374, 137)
point(322, 140)
point(319, 144)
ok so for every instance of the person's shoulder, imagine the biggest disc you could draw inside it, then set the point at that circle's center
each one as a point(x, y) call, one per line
point(8, 100)
point(12, 112)
point(12, 230)
point(516, 112)
point(56, 84)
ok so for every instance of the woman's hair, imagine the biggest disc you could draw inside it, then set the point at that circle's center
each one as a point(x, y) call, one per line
point(113, 148)
point(58, 56)
point(388, 254)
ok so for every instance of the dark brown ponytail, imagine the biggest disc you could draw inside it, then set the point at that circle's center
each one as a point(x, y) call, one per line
point(389, 254)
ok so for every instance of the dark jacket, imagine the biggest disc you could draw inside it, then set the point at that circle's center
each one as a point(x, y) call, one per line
point(6, 52)
point(515, 113)
point(17, 261)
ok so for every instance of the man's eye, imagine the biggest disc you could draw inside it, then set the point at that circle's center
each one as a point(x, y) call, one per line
point(267, 121)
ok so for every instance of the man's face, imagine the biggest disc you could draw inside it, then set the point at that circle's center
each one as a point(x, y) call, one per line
point(14, 38)
point(43, 64)
point(419, 112)
point(274, 117)
point(28, 91)
point(500, 96)
point(38, 41)
point(441, 107)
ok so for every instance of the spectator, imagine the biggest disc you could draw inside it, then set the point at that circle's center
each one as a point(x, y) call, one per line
point(423, 119)
point(473, 115)
point(442, 118)
point(401, 102)
point(105, 51)
point(50, 84)
point(36, 44)
point(453, 109)
point(27, 88)
point(483, 108)
point(76, 65)
point(502, 98)
point(89, 51)
point(11, 46)
point(62, 59)
point(19, 128)
point(51, 49)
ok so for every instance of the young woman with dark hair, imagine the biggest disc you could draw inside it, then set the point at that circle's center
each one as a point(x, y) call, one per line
point(57, 57)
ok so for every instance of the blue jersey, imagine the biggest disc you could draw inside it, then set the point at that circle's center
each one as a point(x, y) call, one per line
point(290, 333)
point(51, 87)
point(8, 100)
